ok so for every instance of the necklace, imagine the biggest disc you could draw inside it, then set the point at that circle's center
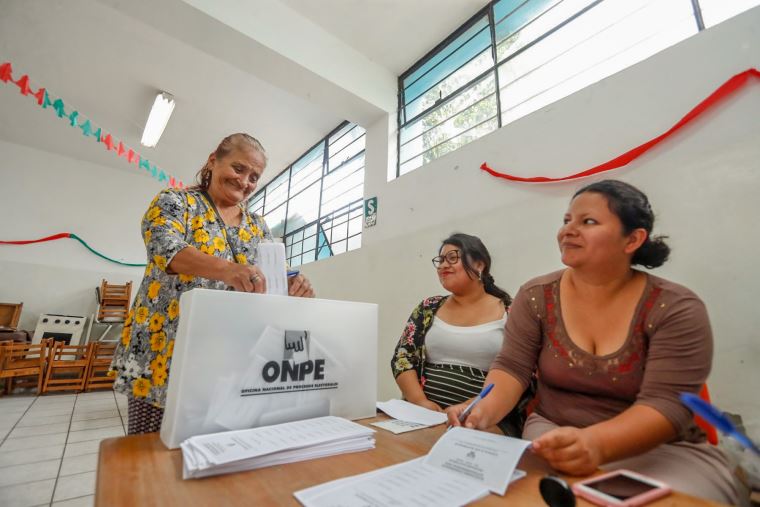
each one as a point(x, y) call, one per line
point(218, 215)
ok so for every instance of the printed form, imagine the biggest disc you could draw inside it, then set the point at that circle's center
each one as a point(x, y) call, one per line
point(463, 466)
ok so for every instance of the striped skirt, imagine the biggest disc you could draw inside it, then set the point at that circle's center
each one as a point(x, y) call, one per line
point(450, 384)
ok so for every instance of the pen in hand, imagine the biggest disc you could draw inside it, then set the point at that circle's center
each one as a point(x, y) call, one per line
point(466, 412)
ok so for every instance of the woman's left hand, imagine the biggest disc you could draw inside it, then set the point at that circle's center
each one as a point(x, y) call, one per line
point(300, 286)
point(573, 451)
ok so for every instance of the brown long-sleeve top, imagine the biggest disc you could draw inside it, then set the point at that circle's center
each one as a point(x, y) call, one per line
point(668, 351)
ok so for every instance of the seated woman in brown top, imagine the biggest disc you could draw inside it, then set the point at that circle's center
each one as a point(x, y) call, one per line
point(614, 347)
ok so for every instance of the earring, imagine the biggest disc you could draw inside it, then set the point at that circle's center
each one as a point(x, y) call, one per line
point(480, 276)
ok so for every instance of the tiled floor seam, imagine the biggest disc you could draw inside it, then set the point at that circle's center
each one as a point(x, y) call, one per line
point(65, 443)
point(16, 423)
point(121, 416)
point(70, 499)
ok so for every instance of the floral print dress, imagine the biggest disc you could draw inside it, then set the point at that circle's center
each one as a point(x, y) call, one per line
point(411, 355)
point(175, 219)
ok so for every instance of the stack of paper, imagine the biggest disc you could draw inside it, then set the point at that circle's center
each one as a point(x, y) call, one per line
point(463, 466)
point(407, 416)
point(236, 451)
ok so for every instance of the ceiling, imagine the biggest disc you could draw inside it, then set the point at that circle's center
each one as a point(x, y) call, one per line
point(107, 59)
point(393, 33)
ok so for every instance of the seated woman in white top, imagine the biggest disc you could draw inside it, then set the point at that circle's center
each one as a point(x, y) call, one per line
point(449, 342)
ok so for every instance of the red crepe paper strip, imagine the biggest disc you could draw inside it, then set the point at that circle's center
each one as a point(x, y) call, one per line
point(729, 87)
point(108, 141)
point(60, 235)
point(6, 72)
point(69, 235)
point(40, 96)
point(23, 85)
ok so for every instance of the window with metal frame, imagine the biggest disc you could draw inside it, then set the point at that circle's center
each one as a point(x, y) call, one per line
point(514, 57)
point(316, 204)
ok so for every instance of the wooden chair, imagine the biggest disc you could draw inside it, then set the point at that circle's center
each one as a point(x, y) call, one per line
point(100, 364)
point(113, 306)
point(10, 313)
point(23, 360)
point(709, 429)
point(67, 367)
point(114, 302)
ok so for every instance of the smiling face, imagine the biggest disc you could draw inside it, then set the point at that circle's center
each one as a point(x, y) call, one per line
point(452, 275)
point(234, 176)
point(593, 236)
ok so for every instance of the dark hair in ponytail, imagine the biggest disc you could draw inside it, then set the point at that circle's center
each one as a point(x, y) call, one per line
point(632, 207)
point(471, 250)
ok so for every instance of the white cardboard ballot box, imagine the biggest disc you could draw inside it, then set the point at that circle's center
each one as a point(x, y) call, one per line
point(245, 360)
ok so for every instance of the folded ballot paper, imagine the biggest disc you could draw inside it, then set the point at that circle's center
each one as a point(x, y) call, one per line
point(462, 467)
point(237, 451)
point(407, 416)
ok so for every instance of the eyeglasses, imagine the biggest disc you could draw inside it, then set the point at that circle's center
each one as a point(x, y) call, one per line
point(452, 257)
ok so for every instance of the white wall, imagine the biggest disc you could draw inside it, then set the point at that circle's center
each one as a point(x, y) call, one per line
point(43, 194)
point(703, 184)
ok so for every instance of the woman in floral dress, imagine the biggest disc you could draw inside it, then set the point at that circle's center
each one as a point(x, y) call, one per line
point(201, 237)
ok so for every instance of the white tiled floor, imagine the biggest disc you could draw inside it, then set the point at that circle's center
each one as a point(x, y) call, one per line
point(49, 446)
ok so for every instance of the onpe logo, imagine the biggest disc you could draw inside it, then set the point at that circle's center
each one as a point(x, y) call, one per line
point(287, 369)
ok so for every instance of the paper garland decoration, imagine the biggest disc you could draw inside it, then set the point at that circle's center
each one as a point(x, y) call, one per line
point(76, 119)
point(70, 235)
point(729, 87)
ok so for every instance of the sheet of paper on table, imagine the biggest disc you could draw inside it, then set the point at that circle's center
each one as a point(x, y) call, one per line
point(407, 416)
point(463, 466)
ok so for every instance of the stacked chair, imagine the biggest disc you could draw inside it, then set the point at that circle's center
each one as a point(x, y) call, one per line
point(113, 305)
point(22, 361)
point(56, 366)
point(100, 363)
point(67, 367)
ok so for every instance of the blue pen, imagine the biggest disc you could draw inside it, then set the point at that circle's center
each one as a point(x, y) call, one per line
point(293, 273)
point(483, 394)
point(712, 415)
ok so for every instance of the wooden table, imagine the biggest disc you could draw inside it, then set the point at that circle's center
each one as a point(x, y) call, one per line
point(139, 470)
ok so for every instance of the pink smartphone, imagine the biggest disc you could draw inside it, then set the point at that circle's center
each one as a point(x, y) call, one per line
point(621, 488)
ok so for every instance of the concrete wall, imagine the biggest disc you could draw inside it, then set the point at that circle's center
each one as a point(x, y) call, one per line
point(703, 184)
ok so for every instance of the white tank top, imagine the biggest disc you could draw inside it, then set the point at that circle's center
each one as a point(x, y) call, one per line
point(474, 346)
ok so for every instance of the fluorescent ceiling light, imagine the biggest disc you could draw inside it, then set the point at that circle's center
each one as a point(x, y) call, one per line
point(157, 119)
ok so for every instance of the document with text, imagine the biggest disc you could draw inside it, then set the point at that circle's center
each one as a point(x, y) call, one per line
point(233, 451)
point(463, 466)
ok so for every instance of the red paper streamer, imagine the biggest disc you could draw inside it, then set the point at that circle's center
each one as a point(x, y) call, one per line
point(71, 235)
point(729, 87)
point(60, 235)
point(23, 85)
